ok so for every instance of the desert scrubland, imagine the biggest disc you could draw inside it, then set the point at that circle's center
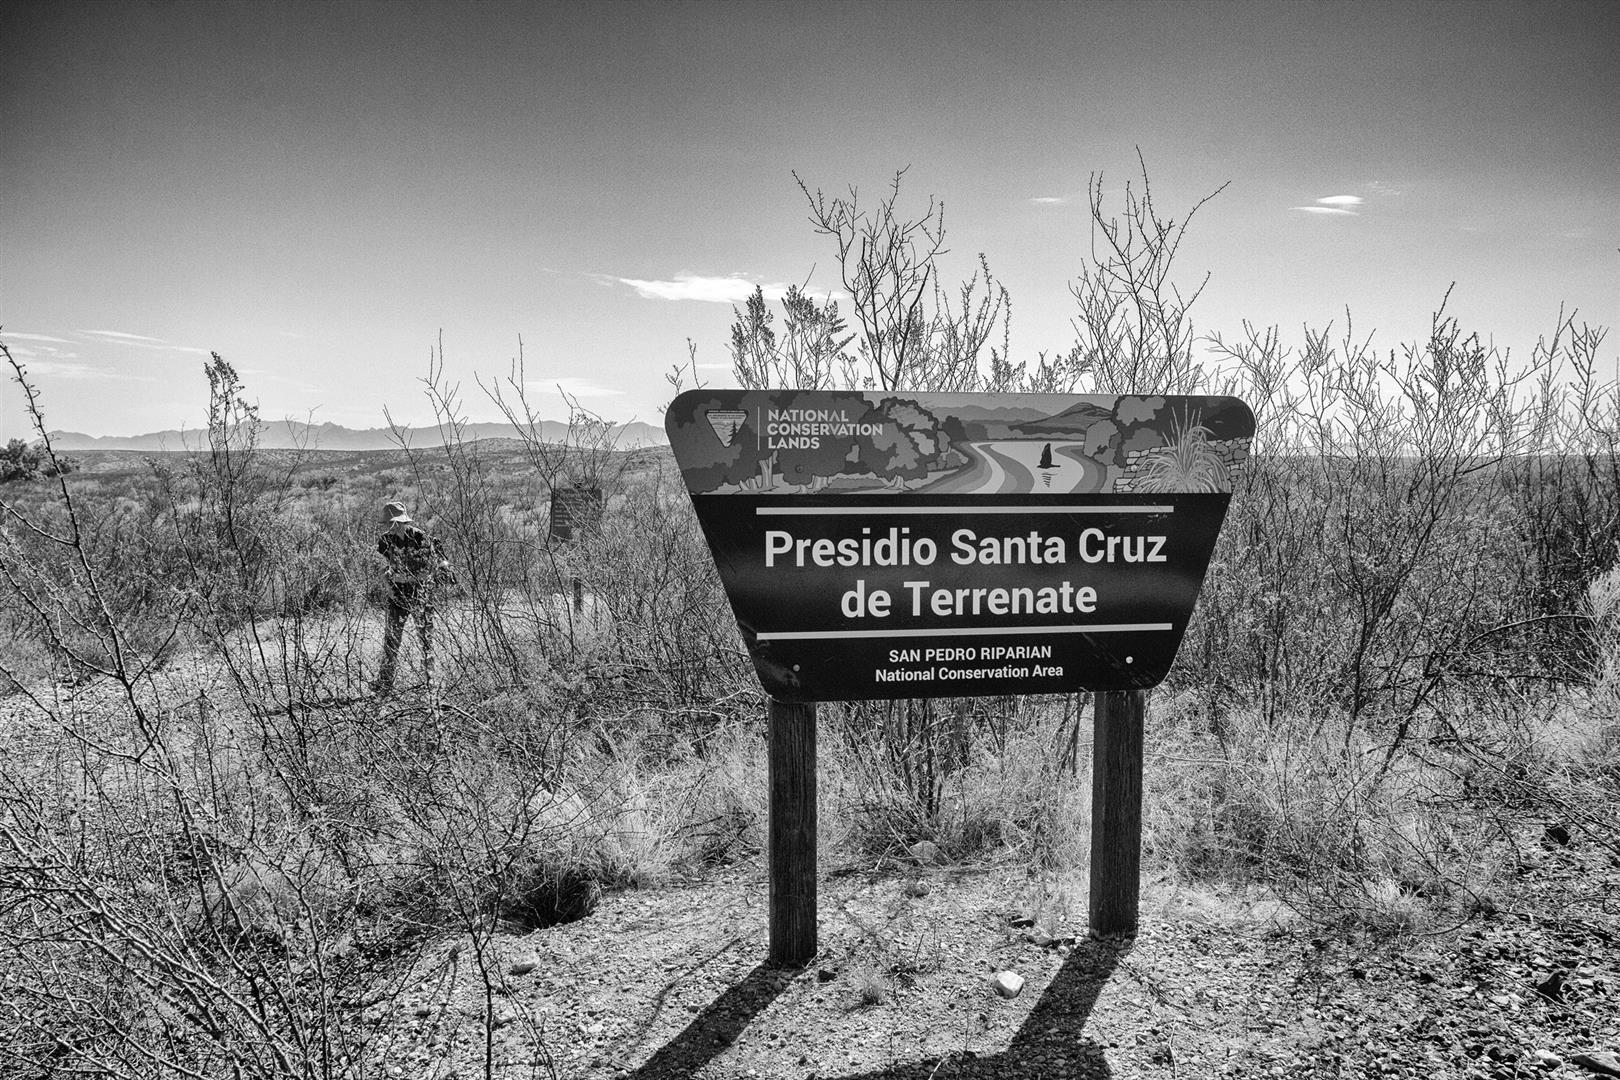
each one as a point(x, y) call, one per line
point(221, 856)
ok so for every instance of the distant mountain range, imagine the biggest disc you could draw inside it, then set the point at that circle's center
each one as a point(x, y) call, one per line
point(292, 435)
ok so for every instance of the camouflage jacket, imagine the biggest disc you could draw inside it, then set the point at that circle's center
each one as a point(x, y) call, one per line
point(413, 559)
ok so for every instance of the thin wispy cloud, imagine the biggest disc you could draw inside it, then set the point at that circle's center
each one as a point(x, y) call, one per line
point(1049, 200)
point(1333, 206)
point(714, 290)
point(574, 386)
point(141, 341)
point(119, 335)
point(732, 289)
point(70, 369)
point(35, 337)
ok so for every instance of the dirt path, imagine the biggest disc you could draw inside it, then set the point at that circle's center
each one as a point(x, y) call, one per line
point(670, 983)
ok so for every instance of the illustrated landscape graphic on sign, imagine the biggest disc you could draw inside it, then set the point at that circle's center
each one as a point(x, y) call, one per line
point(897, 545)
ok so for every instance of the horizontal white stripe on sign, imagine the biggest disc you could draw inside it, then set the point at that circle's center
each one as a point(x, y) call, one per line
point(962, 631)
point(830, 511)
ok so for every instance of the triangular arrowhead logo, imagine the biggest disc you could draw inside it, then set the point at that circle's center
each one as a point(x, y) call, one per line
point(726, 423)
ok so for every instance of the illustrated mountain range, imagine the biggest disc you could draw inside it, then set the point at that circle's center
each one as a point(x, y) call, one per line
point(1075, 420)
point(293, 435)
point(1025, 421)
point(1221, 422)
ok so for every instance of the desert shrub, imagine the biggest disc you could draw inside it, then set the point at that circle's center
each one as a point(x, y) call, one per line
point(988, 778)
point(1020, 799)
point(1366, 553)
point(913, 748)
point(155, 923)
point(322, 563)
point(674, 649)
point(24, 461)
point(1564, 502)
point(236, 842)
point(720, 789)
point(1332, 831)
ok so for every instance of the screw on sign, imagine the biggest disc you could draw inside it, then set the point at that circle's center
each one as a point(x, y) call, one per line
point(878, 545)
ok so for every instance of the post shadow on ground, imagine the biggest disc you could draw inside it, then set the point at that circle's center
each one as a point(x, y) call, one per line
point(1051, 1042)
point(714, 1029)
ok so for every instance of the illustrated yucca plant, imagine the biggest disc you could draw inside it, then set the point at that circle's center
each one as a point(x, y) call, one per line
point(1188, 463)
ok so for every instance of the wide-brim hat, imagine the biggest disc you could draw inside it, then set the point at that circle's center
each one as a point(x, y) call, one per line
point(394, 513)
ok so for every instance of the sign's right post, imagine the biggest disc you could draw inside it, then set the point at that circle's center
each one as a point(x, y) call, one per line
point(1116, 810)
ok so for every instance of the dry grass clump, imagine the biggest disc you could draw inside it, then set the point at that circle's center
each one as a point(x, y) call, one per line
point(996, 779)
point(1329, 827)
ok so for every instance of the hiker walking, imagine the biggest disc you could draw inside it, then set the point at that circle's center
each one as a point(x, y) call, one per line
point(415, 567)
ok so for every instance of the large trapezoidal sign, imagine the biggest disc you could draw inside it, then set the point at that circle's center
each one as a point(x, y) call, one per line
point(881, 545)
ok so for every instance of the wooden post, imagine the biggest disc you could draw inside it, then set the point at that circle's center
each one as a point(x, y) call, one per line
point(1116, 810)
point(792, 779)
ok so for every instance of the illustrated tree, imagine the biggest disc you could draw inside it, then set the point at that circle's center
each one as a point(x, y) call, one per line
point(907, 440)
point(921, 425)
point(914, 444)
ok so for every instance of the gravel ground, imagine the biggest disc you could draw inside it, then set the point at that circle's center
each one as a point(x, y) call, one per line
point(671, 983)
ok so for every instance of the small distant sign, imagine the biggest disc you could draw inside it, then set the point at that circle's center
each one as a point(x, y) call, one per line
point(918, 545)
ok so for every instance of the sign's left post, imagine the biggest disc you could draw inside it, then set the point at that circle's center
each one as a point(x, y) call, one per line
point(792, 780)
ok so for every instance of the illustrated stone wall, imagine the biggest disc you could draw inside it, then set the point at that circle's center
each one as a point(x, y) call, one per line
point(1232, 452)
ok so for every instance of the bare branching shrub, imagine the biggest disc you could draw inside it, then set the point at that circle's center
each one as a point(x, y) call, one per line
point(164, 915)
point(988, 778)
point(1365, 540)
point(673, 650)
point(810, 354)
point(1134, 332)
point(1565, 494)
point(910, 333)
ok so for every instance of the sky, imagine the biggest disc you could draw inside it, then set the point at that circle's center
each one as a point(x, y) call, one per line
point(322, 193)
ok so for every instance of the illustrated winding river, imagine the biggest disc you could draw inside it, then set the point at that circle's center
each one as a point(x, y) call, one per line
point(1013, 465)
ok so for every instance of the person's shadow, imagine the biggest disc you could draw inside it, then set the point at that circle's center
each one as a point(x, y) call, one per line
point(1051, 1042)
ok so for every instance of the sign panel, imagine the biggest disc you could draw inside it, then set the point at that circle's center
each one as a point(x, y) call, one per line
point(888, 545)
